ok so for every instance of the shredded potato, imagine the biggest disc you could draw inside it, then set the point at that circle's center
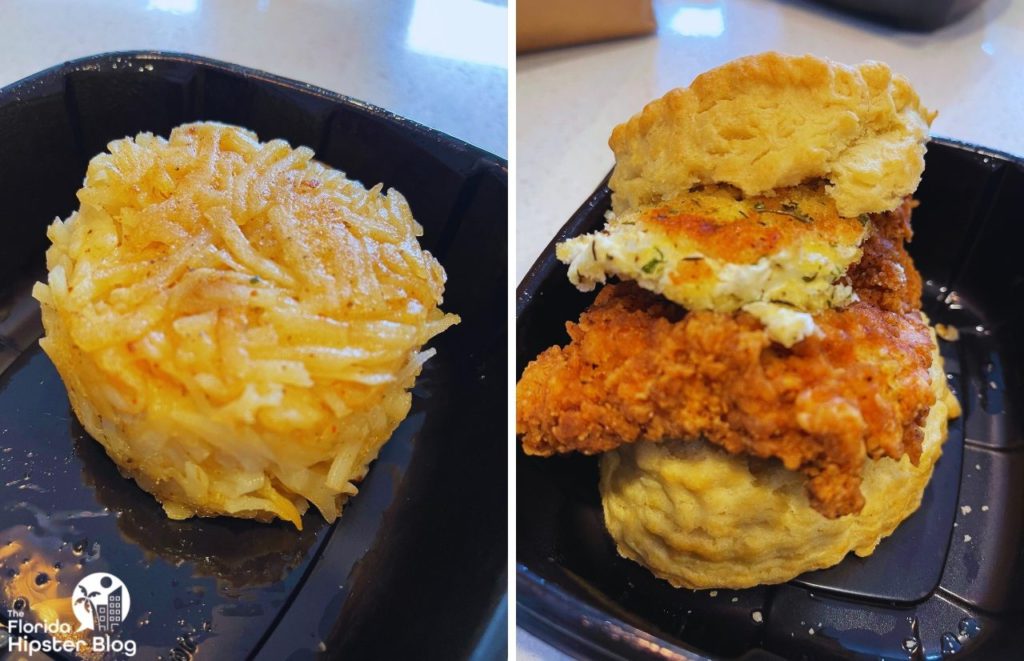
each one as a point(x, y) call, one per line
point(238, 324)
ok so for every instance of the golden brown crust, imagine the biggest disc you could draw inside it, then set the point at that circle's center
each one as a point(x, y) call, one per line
point(762, 225)
point(638, 370)
point(770, 120)
point(885, 275)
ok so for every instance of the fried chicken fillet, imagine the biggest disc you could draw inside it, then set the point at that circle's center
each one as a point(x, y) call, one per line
point(640, 368)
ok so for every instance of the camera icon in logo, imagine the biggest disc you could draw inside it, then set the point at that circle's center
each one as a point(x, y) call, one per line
point(100, 602)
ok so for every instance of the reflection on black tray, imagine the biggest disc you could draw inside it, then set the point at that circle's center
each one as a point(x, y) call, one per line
point(215, 583)
point(238, 553)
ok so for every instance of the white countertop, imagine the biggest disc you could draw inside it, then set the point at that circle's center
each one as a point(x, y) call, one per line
point(442, 63)
point(569, 99)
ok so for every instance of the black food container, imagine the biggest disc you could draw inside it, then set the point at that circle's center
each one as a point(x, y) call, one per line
point(921, 15)
point(416, 565)
point(948, 581)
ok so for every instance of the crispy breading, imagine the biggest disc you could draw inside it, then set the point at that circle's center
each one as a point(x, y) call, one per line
point(885, 275)
point(642, 369)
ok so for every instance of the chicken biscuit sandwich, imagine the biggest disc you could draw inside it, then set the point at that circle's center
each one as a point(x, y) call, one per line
point(756, 372)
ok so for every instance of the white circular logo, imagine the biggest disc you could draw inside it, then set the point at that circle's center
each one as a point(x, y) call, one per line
point(100, 602)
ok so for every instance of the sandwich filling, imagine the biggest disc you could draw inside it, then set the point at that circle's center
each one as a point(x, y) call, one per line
point(779, 258)
point(642, 368)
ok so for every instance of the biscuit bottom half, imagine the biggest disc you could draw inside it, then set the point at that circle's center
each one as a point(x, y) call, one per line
point(701, 518)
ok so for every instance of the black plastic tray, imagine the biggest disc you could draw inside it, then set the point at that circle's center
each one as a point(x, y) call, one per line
point(416, 565)
point(948, 580)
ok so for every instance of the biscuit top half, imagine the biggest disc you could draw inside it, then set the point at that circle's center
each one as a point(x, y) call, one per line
point(770, 121)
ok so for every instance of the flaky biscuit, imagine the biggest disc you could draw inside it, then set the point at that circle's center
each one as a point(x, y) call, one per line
point(768, 121)
point(701, 518)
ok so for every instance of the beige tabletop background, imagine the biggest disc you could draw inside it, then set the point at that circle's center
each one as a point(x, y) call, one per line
point(443, 63)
